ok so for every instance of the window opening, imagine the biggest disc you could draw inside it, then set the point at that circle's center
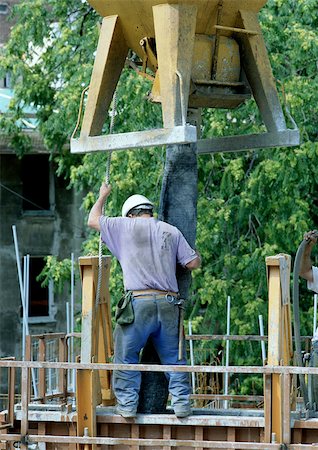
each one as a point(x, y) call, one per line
point(38, 295)
point(36, 183)
point(4, 8)
point(40, 304)
point(6, 81)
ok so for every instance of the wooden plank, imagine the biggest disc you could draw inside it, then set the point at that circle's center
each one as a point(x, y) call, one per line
point(166, 434)
point(152, 443)
point(297, 435)
point(229, 337)
point(47, 336)
point(242, 398)
point(62, 372)
point(268, 408)
point(25, 389)
point(198, 435)
point(96, 343)
point(275, 341)
point(109, 61)
point(277, 410)
point(103, 339)
point(274, 314)
point(279, 342)
point(286, 409)
point(42, 380)
point(72, 432)
point(235, 30)
point(287, 349)
point(164, 368)
point(87, 348)
point(87, 382)
point(11, 392)
point(41, 432)
point(175, 33)
point(134, 435)
point(4, 445)
point(86, 403)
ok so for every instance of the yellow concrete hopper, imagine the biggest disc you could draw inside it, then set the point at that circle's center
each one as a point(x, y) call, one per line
point(202, 53)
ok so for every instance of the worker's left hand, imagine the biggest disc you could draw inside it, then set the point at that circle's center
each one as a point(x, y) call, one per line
point(104, 190)
point(311, 237)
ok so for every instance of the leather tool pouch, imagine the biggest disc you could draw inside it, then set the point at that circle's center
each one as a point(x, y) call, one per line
point(124, 311)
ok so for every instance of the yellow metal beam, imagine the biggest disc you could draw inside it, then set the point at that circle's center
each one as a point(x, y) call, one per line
point(175, 32)
point(259, 72)
point(109, 62)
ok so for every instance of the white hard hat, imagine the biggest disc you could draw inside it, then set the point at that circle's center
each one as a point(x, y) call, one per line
point(134, 201)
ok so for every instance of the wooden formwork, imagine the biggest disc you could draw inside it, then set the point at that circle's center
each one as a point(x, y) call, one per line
point(56, 424)
point(279, 424)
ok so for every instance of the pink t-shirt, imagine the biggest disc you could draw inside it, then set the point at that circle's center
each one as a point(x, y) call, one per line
point(148, 251)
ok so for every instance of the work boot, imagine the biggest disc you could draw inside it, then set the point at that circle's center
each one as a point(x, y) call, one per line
point(182, 411)
point(125, 412)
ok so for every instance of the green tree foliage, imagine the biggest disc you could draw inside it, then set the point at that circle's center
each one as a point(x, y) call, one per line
point(251, 204)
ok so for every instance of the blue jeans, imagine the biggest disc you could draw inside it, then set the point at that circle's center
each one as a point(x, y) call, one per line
point(157, 317)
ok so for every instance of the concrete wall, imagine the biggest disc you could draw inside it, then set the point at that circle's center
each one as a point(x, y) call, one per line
point(5, 24)
point(58, 232)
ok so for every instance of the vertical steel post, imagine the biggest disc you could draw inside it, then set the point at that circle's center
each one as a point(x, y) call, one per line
point(315, 315)
point(227, 350)
point(72, 359)
point(261, 330)
point(191, 357)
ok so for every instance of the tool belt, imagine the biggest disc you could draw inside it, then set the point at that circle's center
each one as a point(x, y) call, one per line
point(124, 310)
point(146, 292)
point(125, 315)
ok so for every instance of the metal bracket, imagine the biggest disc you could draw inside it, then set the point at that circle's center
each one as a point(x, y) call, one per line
point(285, 138)
point(150, 138)
point(184, 135)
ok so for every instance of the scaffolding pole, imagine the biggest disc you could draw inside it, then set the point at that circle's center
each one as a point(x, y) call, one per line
point(23, 301)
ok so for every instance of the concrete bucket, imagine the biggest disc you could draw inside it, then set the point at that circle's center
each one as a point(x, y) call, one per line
point(202, 53)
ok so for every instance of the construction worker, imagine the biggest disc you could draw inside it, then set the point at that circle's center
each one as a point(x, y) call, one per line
point(148, 251)
point(307, 270)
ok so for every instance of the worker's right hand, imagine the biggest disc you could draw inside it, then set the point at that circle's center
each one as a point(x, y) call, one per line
point(104, 190)
point(311, 237)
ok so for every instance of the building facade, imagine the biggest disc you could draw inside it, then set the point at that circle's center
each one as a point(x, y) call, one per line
point(47, 219)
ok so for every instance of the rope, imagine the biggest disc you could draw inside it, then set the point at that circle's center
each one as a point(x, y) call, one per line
point(183, 109)
point(79, 111)
point(107, 179)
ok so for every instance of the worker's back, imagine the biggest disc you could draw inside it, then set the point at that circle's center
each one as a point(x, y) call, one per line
point(148, 250)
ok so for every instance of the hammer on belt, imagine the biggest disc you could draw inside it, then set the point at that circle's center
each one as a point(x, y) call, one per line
point(181, 337)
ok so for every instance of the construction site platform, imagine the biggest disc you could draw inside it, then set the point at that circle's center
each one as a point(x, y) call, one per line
point(107, 414)
point(231, 427)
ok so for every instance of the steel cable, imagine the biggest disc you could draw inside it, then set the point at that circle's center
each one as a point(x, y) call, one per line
point(107, 180)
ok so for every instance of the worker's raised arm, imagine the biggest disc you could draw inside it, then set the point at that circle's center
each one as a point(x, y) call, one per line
point(306, 264)
point(97, 209)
